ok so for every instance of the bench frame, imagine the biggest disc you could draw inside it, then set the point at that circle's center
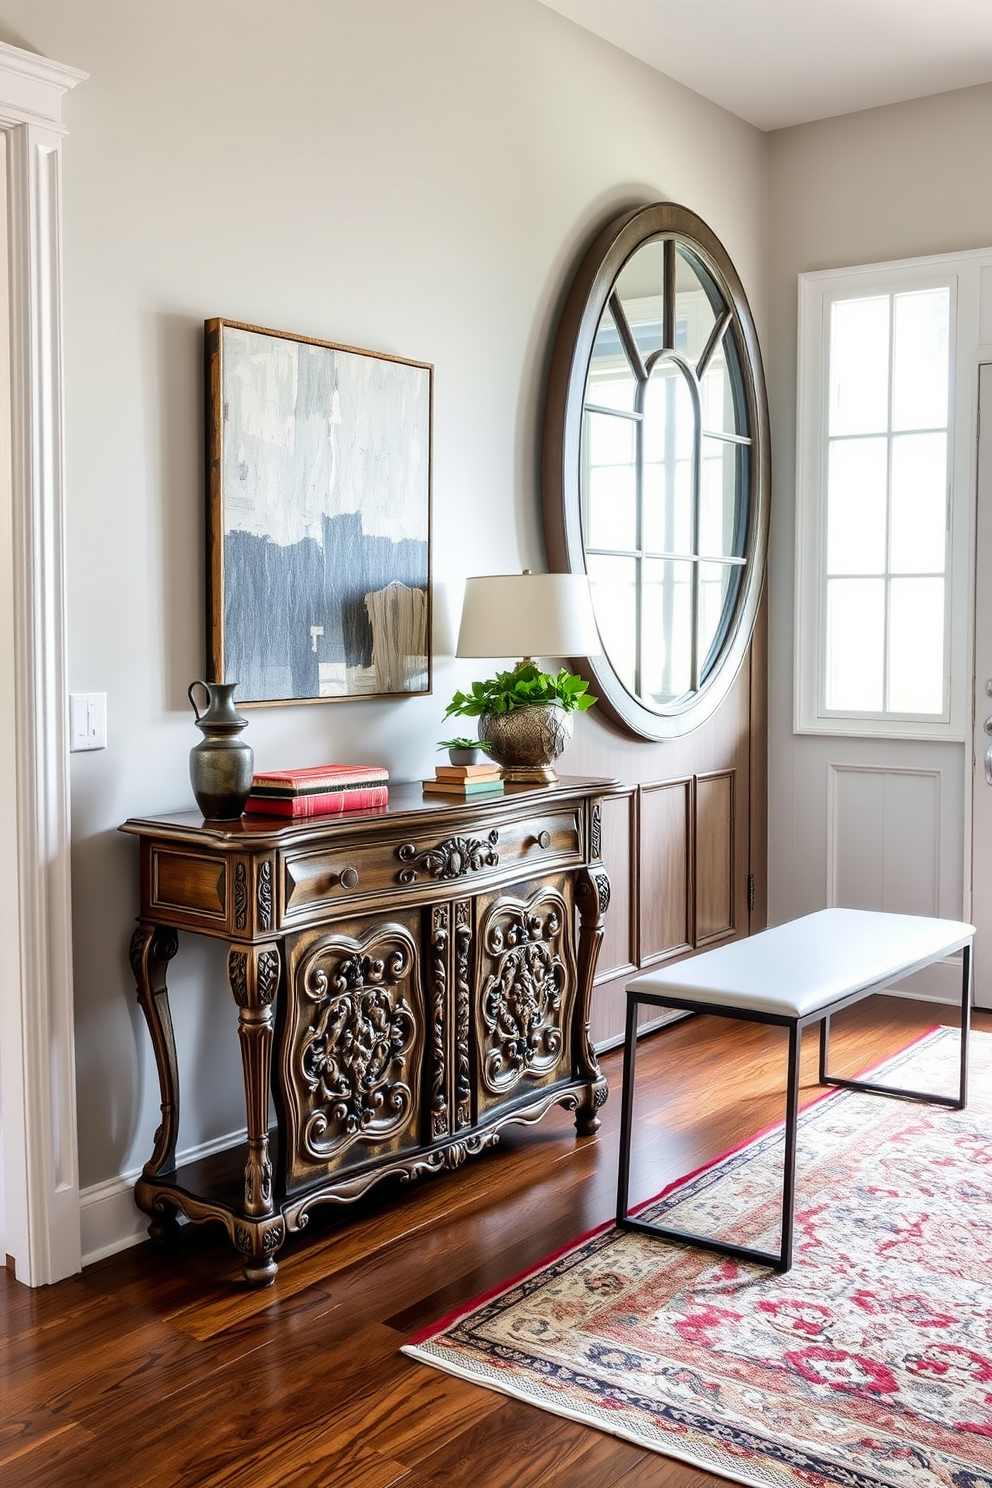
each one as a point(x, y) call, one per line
point(781, 1260)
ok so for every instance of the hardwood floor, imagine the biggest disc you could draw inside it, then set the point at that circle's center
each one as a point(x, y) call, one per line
point(165, 1369)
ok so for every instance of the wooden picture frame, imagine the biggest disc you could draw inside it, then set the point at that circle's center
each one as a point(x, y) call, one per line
point(318, 518)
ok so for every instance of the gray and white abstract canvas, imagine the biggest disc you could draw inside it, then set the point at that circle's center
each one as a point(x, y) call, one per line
point(325, 519)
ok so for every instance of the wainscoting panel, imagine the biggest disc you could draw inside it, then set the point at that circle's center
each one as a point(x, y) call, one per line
point(884, 839)
point(618, 953)
point(666, 869)
point(714, 847)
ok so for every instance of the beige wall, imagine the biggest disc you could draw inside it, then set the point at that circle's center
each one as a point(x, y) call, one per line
point(411, 178)
point(896, 182)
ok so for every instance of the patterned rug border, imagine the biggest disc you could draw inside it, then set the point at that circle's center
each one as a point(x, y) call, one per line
point(426, 1347)
point(608, 1421)
point(482, 1298)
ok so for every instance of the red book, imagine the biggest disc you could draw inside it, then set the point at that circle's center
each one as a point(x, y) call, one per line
point(316, 779)
point(318, 803)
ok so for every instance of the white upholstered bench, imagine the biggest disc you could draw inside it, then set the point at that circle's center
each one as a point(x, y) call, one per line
point(793, 975)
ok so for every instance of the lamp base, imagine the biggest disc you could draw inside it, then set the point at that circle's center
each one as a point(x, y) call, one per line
point(530, 774)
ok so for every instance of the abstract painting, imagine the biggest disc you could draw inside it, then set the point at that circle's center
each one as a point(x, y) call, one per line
point(319, 488)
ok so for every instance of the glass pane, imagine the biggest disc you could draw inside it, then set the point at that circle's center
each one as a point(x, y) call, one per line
point(609, 439)
point(855, 644)
point(918, 540)
point(856, 485)
point(667, 515)
point(612, 507)
point(609, 473)
point(718, 501)
point(920, 359)
point(859, 366)
point(669, 416)
point(698, 305)
point(641, 287)
point(718, 582)
point(669, 443)
point(916, 646)
point(715, 396)
point(613, 583)
point(611, 382)
point(667, 631)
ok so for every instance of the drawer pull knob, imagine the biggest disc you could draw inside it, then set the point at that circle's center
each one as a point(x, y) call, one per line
point(348, 878)
point(544, 839)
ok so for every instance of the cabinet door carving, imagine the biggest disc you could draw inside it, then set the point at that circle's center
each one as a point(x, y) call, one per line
point(353, 1049)
point(526, 986)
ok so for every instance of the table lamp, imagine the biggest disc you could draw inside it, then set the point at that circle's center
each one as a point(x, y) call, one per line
point(528, 615)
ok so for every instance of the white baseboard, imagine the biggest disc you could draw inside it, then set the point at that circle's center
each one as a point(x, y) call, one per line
point(109, 1219)
point(939, 982)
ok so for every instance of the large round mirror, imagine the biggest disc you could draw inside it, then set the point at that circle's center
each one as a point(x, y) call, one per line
point(656, 466)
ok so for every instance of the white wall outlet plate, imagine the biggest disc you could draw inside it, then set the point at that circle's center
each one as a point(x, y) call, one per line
point(87, 720)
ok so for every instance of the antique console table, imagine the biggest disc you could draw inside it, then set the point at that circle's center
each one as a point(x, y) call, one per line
point(408, 980)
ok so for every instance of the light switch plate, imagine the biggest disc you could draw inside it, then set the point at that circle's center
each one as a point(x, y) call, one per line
point(87, 720)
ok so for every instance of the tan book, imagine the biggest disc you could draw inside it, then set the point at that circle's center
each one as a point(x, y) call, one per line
point(468, 772)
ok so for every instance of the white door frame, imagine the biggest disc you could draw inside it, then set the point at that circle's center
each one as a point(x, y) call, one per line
point(979, 803)
point(37, 1070)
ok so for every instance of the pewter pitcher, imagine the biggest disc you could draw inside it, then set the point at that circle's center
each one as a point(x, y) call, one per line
point(220, 766)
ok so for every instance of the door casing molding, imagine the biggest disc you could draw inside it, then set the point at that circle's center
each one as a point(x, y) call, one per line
point(37, 1067)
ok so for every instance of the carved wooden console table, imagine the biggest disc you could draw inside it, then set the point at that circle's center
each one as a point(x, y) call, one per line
point(408, 980)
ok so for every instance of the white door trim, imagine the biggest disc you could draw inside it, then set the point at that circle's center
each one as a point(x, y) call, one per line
point(978, 816)
point(37, 1074)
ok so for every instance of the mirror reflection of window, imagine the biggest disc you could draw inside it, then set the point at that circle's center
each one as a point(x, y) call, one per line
point(664, 474)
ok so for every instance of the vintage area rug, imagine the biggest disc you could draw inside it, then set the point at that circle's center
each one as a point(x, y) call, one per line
point(869, 1364)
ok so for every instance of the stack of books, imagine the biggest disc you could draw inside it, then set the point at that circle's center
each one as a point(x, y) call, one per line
point(322, 790)
point(465, 780)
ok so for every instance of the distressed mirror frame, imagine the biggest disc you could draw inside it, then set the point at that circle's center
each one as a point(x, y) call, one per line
point(588, 297)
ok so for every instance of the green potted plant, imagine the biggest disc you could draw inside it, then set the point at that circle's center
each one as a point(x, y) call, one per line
point(526, 717)
point(464, 751)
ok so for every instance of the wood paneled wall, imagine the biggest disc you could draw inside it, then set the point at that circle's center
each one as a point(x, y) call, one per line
point(684, 838)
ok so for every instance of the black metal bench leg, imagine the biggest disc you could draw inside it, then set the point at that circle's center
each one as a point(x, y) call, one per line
point(791, 1136)
point(966, 976)
point(781, 1260)
point(824, 1048)
point(627, 1109)
point(897, 1092)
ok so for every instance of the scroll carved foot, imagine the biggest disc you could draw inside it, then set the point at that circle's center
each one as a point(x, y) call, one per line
point(164, 1228)
point(586, 1120)
point(261, 1275)
point(258, 1244)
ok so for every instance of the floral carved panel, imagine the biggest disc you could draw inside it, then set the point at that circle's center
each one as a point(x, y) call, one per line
point(525, 992)
point(353, 1050)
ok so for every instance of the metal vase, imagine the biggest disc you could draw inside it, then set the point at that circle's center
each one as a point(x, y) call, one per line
point(221, 765)
point(527, 740)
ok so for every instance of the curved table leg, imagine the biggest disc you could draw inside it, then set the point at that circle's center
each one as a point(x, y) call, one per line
point(593, 896)
point(152, 948)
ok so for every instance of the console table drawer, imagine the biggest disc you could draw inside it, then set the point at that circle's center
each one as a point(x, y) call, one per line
point(348, 872)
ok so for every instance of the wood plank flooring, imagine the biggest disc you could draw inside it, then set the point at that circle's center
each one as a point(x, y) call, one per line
point(164, 1369)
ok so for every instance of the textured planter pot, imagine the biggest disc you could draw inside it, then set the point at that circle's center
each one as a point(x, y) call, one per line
point(527, 741)
point(467, 756)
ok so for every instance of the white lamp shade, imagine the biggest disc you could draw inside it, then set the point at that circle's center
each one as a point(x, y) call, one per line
point(528, 615)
